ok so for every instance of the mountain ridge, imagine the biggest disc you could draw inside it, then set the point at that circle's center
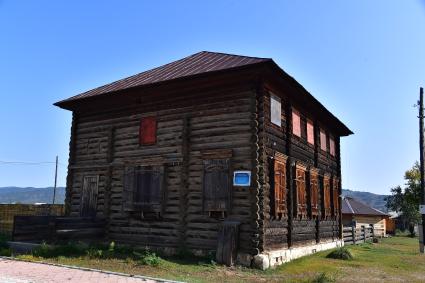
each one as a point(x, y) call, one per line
point(13, 194)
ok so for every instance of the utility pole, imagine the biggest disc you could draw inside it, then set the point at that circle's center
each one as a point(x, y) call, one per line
point(421, 150)
point(56, 179)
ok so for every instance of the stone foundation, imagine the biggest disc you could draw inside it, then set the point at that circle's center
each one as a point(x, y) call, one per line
point(274, 258)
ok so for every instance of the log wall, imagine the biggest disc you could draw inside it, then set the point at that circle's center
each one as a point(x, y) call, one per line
point(291, 230)
point(105, 143)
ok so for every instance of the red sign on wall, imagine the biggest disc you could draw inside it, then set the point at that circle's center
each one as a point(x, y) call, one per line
point(147, 134)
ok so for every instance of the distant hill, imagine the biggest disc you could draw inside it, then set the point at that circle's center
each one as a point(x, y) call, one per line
point(374, 200)
point(31, 195)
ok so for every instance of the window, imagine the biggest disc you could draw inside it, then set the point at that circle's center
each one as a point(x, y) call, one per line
point(147, 133)
point(296, 123)
point(326, 196)
point(143, 188)
point(314, 193)
point(332, 146)
point(323, 145)
point(275, 110)
point(310, 132)
point(335, 191)
point(303, 128)
point(279, 188)
point(216, 185)
point(301, 191)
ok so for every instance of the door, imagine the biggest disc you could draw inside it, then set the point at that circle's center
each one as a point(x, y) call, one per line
point(89, 196)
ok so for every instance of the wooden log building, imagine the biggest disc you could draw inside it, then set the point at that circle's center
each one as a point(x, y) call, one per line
point(213, 152)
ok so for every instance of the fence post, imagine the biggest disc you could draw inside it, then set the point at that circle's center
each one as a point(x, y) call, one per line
point(363, 231)
point(373, 231)
point(353, 232)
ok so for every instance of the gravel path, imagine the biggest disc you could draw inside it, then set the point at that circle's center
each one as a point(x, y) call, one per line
point(14, 271)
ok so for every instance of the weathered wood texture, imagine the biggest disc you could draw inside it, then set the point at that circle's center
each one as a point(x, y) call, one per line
point(53, 229)
point(192, 128)
point(9, 211)
point(302, 225)
point(187, 127)
point(356, 235)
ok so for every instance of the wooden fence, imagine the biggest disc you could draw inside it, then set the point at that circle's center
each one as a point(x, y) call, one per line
point(353, 235)
point(53, 229)
point(9, 211)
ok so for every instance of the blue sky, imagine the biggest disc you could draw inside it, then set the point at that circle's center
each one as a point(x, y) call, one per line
point(364, 60)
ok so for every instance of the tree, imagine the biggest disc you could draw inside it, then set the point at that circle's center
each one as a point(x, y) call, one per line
point(406, 201)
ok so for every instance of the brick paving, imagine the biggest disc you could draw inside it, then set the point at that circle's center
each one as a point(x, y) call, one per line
point(13, 271)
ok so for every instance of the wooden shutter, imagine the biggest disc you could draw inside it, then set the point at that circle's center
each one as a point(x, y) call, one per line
point(314, 193)
point(279, 192)
point(88, 203)
point(327, 195)
point(129, 188)
point(335, 189)
point(332, 146)
point(148, 195)
point(296, 123)
point(323, 145)
point(301, 191)
point(216, 185)
point(310, 132)
point(147, 134)
point(303, 126)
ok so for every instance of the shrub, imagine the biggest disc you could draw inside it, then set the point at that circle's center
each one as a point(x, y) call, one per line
point(147, 258)
point(3, 241)
point(5, 252)
point(323, 278)
point(341, 253)
point(68, 250)
point(94, 253)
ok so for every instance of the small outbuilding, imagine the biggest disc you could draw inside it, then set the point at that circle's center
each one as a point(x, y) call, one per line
point(356, 213)
point(212, 152)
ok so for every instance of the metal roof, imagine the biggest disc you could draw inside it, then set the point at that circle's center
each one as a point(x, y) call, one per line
point(201, 62)
point(353, 206)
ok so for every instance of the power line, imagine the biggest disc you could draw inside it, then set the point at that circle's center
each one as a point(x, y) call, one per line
point(5, 162)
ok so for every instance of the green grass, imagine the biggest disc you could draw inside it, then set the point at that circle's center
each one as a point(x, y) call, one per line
point(392, 260)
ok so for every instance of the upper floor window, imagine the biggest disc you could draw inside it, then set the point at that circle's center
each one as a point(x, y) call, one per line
point(310, 132)
point(275, 110)
point(332, 146)
point(296, 123)
point(147, 131)
point(323, 145)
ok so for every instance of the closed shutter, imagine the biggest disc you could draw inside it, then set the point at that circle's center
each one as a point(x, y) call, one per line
point(280, 188)
point(303, 122)
point(148, 196)
point(216, 185)
point(129, 188)
point(323, 144)
point(327, 196)
point(335, 196)
point(310, 132)
point(314, 193)
point(332, 146)
point(301, 192)
point(147, 135)
point(296, 123)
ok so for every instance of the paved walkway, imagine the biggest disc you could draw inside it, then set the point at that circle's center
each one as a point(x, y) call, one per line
point(13, 271)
